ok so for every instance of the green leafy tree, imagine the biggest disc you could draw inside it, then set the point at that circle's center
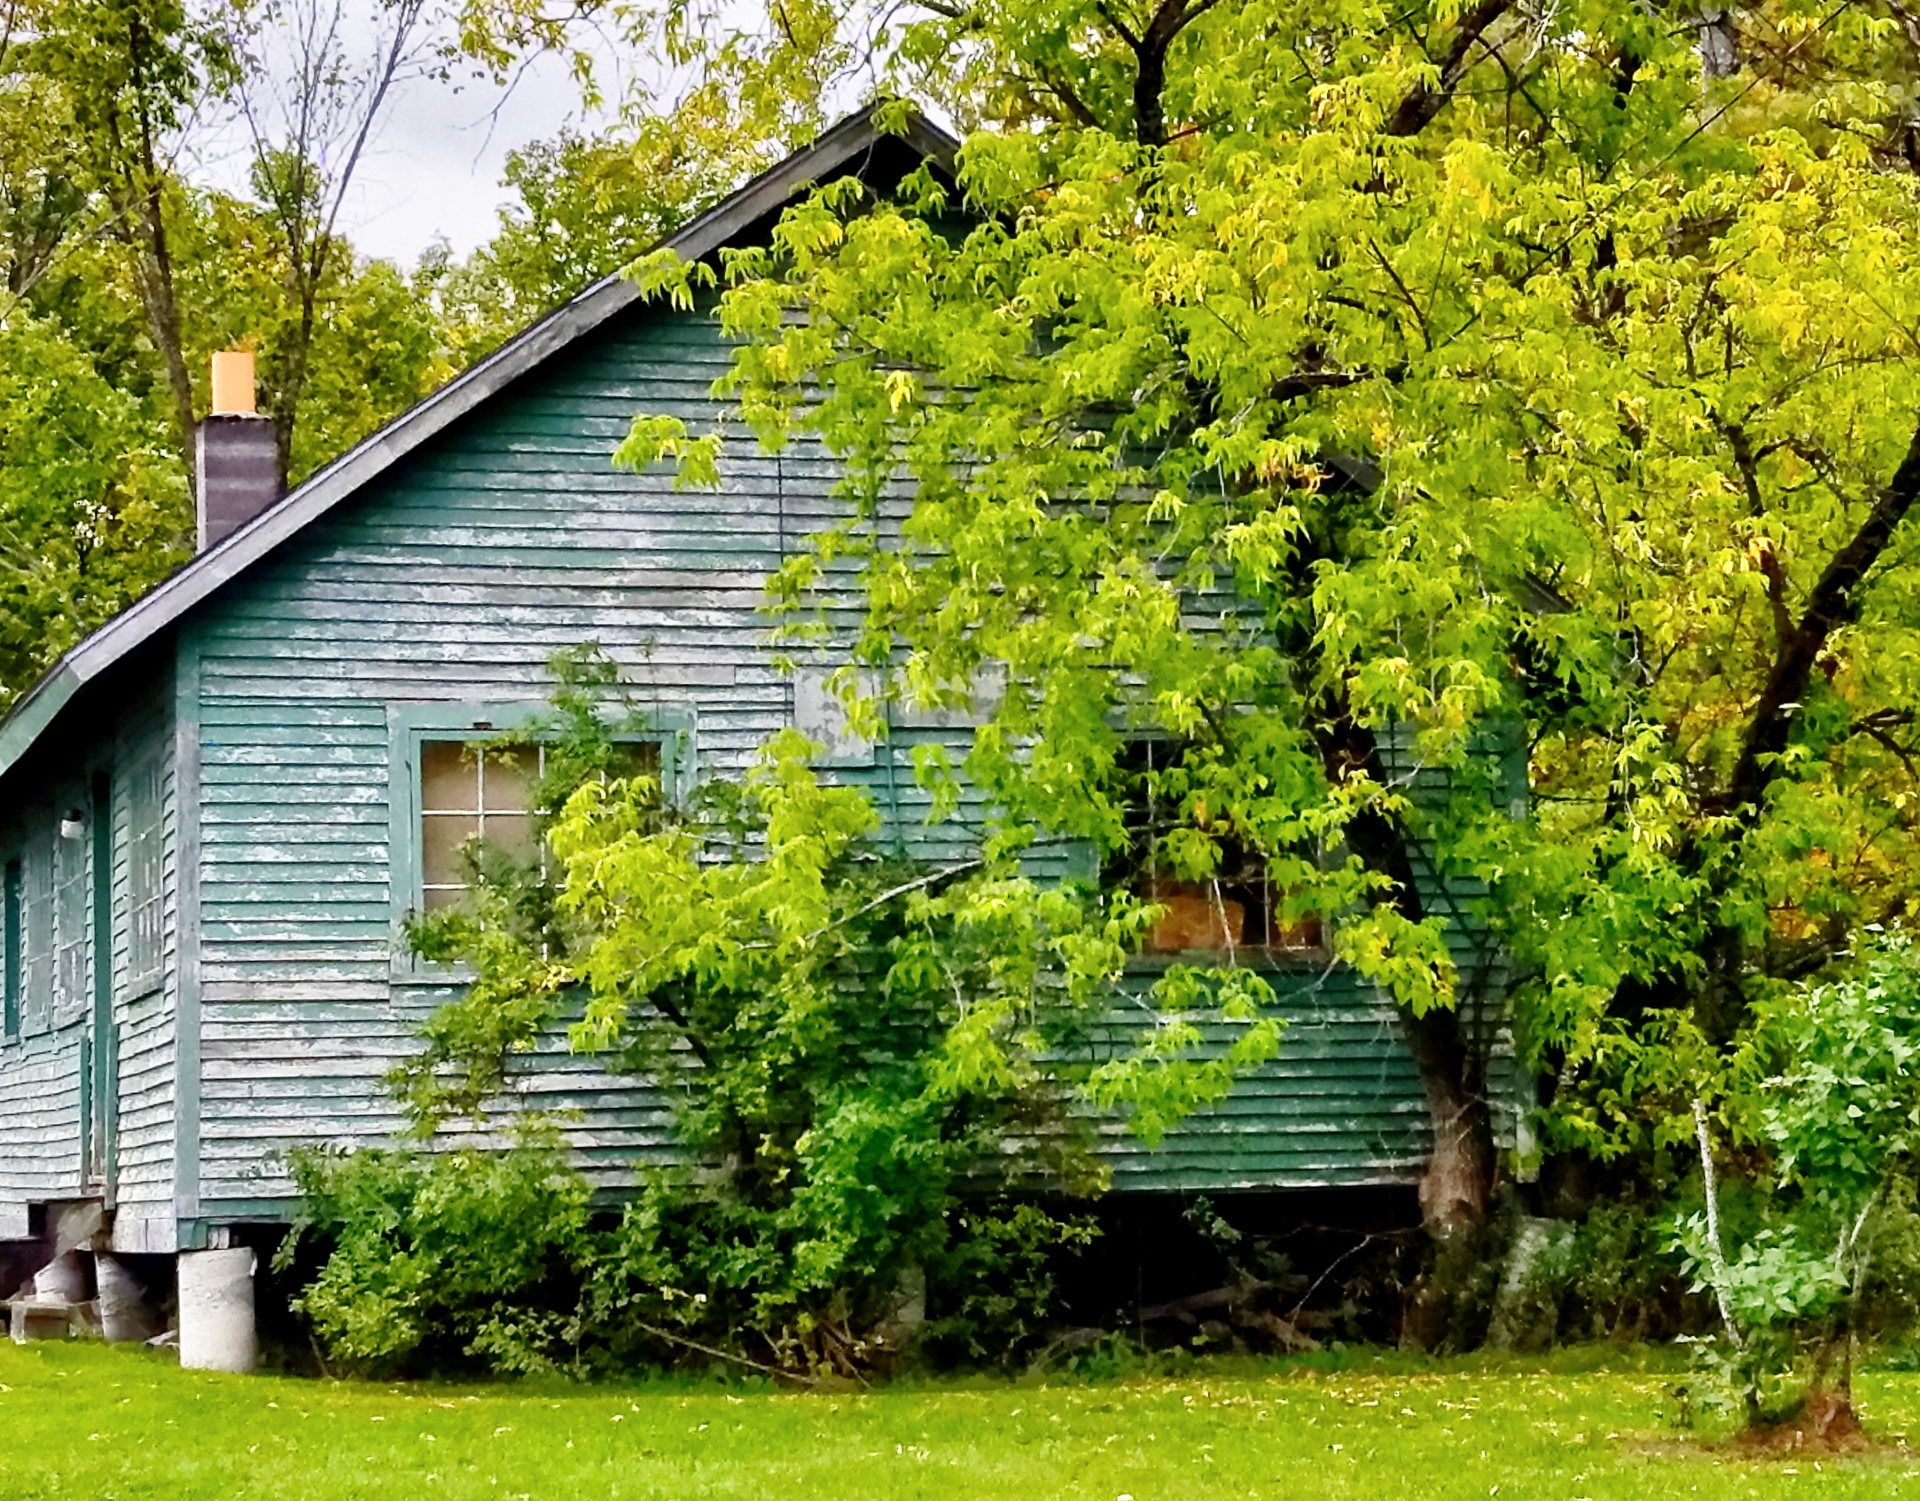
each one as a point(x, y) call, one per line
point(127, 274)
point(585, 207)
point(367, 341)
point(92, 505)
point(735, 99)
point(131, 73)
point(1306, 381)
point(472, 1253)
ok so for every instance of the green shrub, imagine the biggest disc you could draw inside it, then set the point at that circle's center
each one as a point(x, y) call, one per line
point(1811, 1250)
point(437, 1259)
point(435, 1256)
point(990, 1288)
point(869, 1059)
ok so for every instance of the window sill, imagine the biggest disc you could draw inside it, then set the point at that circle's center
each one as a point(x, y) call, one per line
point(1250, 956)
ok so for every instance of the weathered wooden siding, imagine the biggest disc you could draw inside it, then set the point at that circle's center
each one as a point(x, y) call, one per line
point(40, 1124)
point(41, 1086)
point(457, 577)
point(146, 1000)
point(46, 1115)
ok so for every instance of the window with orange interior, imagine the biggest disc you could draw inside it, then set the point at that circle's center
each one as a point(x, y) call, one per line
point(1238, 908)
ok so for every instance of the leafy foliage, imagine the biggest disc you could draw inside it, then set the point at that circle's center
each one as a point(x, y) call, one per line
point(1285, 379)
point(92, 508)
point(870, 1063)
point(1828, 1251)
point(584, 209)
point(461, 1254)
point(116, 252)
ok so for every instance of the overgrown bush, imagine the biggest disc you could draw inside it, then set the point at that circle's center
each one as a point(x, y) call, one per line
point(441, 1260)
point(436, 1257)
point(1624, 1281)
point(870, 1063)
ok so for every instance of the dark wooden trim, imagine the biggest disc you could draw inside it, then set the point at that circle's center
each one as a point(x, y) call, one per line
point(186, 933)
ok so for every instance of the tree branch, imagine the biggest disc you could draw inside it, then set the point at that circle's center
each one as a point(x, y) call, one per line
point(1417, 110)
point(1406, 296)
point(1065, 93)
point(1768, 561)
point(1113, 20)
point(1833, 603)
point(1150, 47)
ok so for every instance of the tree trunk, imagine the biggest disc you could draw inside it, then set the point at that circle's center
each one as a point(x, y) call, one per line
point(1456, 1191)
point(155, 278)
point(144, 204)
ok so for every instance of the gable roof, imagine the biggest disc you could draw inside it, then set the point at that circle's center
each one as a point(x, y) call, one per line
point(141, 622)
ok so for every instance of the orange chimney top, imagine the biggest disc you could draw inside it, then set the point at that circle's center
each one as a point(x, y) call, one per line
point(233, 383)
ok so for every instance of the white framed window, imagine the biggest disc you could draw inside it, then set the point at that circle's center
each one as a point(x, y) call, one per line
point(36, 930)
point(460, 788)
point(1239, 910)
point(15, 973)
point(479, 795)
point(72, 906)
point(471, 792)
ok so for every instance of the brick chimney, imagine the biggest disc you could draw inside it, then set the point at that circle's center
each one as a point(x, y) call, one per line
point(236, 453)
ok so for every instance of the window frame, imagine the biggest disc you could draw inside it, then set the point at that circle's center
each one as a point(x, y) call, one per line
point(480, 785)
point(12, 884)
point(73, 957)
point(36, 925)
point(1122, 873)
point(412, 725)
point(146, 858)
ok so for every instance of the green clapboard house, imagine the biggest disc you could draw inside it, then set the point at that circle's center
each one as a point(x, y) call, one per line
point(216, 811)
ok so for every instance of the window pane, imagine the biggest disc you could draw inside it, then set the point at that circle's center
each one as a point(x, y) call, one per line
point(510, 775)
point(1300, 935)
point(1197, 917)
point(449, 778)
point(441, 835)
point(37, 995)
point(14, 971)
point(636, 758)
point(511, 834)
point(1238, 906)
point(146, 867)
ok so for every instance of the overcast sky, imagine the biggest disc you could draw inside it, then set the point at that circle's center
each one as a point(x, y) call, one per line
point(434, 168)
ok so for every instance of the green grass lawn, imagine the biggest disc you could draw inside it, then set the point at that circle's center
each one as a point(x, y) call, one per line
point(87, 1421)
